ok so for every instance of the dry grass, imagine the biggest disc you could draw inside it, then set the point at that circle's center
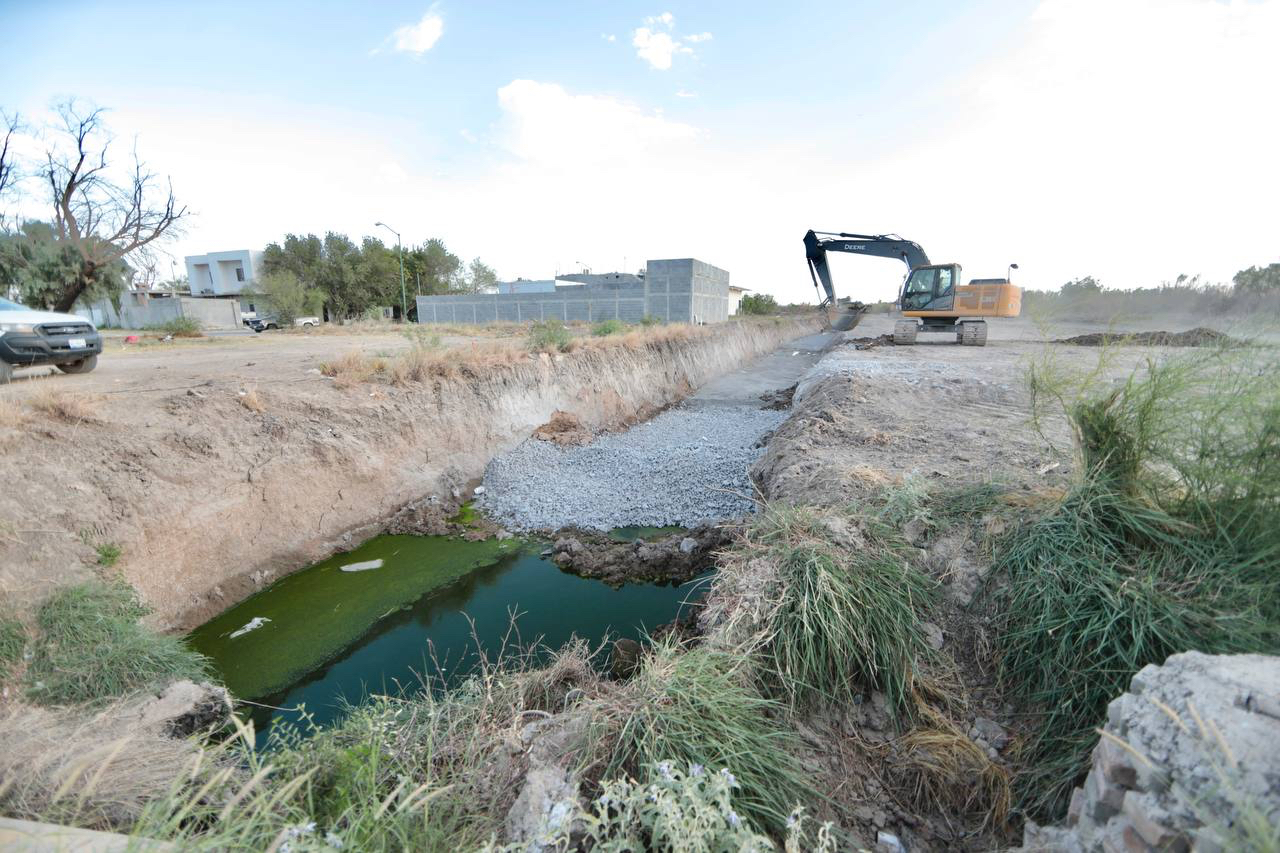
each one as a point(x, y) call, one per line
point(352, 368)
point(423, 364)
point(62, 405)
point(252, 401)
point(12, 413)
point(97, 771)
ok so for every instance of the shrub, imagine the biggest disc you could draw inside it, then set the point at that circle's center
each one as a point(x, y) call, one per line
point(692, 707)
point(758, 303)
point(90, 646)
point(1170, 542)
point(108, 553)
point(650, 320)
point(608, 327)
point(550, 336)
point(63, 406)
point(179, 327)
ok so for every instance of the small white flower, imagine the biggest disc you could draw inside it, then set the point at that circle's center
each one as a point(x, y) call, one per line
point(734, 820)
point(695, 769)
point(332, 839)
point(793, 820)
point(728, 777)
point(665, 769)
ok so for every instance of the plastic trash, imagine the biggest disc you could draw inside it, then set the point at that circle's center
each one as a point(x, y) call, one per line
point(252, 625)
point(363, 567)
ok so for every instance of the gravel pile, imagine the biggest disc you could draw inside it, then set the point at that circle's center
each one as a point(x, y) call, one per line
point(680, 468)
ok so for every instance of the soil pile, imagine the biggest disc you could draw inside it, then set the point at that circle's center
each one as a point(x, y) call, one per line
point(1197, 337)
point(675, 559)
point(564, 429)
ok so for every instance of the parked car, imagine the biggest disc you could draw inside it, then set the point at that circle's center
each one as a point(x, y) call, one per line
point(306, 322)
point(29, 338)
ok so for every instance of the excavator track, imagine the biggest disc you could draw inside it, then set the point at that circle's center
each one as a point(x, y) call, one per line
point(904, 332)
point(973, 333)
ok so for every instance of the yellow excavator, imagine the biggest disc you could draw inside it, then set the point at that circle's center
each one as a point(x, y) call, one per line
point(932, 298)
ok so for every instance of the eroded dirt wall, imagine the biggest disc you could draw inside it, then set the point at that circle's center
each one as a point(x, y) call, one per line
point(208, 499)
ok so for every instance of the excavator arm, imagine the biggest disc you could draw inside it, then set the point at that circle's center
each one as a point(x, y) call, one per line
point(818, 243)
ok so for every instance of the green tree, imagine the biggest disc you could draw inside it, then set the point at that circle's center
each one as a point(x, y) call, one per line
point(1258, 280)
point(480, 275)
point(286, 295)
point(38, 263)
point(758, 303)
point(1086, 286)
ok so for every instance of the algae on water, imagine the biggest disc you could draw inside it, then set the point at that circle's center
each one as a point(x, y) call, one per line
point(309, 617)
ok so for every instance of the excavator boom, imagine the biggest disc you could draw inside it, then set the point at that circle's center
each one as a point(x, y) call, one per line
point(818, 243)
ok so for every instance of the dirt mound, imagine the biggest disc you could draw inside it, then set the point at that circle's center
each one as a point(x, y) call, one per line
point(564, 429)
point(869, 343)
point(779, 399)
point(1197, 337)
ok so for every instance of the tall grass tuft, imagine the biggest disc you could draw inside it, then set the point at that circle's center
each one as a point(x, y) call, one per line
point(90, 646)
point(608, 327)
point(13, 639)
point(693, 708)
point(847, 609)
point(1170, 542)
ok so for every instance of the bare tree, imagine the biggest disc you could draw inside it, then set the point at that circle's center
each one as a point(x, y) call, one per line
point(105, 221)
point(11, 125)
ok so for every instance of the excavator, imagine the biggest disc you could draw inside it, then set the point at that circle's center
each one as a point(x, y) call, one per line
point(932, 298)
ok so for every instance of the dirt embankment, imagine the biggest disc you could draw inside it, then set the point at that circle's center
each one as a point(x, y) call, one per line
point(208, 498)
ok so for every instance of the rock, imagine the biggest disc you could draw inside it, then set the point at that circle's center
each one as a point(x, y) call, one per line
point(185, 707)
point(916, 532)
point(625, 659)
point(932, 635)
point(992, 732)
point(687, 545)
point(548, 799)
point(503, 535)
point(479, 490)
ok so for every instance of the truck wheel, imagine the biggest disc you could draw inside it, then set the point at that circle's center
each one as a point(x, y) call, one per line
point(6, 372)
point(904, 332)
point(84, 365)
point(973, 334)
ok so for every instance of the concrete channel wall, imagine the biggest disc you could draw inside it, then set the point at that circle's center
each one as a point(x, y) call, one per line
point(324, 467)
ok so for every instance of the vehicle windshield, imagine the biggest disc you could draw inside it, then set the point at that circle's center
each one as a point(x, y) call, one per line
point(6, 305)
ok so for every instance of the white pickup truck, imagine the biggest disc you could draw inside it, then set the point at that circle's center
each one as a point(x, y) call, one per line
point(29, 338)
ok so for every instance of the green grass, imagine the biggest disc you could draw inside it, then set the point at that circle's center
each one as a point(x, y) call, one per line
point(13, 639)
point(90, 646)
point(693, 708)
point(108, 554)
point(1170, 542)
point(848, 616)
point(608, 327)
point(550, 336)
point(179, 327)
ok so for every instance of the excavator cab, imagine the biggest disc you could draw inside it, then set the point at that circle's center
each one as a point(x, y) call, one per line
point(931, 288)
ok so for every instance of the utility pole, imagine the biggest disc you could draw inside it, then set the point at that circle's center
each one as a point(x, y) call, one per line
point(404, 299)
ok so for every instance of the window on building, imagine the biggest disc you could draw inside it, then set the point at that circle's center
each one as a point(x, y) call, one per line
point(239, 273)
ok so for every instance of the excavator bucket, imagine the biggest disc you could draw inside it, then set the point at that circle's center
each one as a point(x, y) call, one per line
point(846, 315)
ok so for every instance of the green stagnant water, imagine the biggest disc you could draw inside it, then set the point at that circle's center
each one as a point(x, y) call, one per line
point(335, 637)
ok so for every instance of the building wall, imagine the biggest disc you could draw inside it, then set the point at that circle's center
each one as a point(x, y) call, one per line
point(676, 291)
point(140, 310)
point(214, 274)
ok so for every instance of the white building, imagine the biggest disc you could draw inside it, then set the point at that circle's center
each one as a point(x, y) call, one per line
point(222, 273)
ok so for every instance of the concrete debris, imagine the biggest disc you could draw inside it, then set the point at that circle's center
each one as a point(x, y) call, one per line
point(185, 708)
point(363, 566)
point(1183, 763)
point(548, 798)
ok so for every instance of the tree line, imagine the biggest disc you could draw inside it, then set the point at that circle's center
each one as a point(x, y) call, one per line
point(350, 279)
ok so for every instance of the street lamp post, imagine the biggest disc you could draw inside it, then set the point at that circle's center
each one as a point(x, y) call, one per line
point(404, 300)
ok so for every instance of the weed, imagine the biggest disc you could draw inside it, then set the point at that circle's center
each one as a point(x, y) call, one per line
point(692, 707)
point(251, 400)
point(90, 646)
point(179, 327)
point(61, 405)
point(847, 611)
point(352, 368)
point(12, 412)
point(13, 639)
point(1170, 542)
point(108, 554)
point(550, 336)
point(421, 337)
point(650, 320)
point(608, 327)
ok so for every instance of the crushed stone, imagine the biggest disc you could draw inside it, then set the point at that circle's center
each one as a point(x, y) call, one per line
point(688, 466)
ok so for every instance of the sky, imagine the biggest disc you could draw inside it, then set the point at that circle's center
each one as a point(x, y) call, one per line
point(1129, 140)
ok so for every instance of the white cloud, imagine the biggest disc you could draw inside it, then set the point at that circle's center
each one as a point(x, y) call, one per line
point(666, 19)
point(420, 37)
point(698, 37)
point(608, 37)
point(681, 93)
point(656, 48)
point(544, 124)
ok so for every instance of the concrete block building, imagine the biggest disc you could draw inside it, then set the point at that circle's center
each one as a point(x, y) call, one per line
point(222, 273)
point(682, 290)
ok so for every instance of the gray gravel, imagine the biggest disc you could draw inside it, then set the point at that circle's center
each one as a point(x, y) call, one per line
point(681, 468)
